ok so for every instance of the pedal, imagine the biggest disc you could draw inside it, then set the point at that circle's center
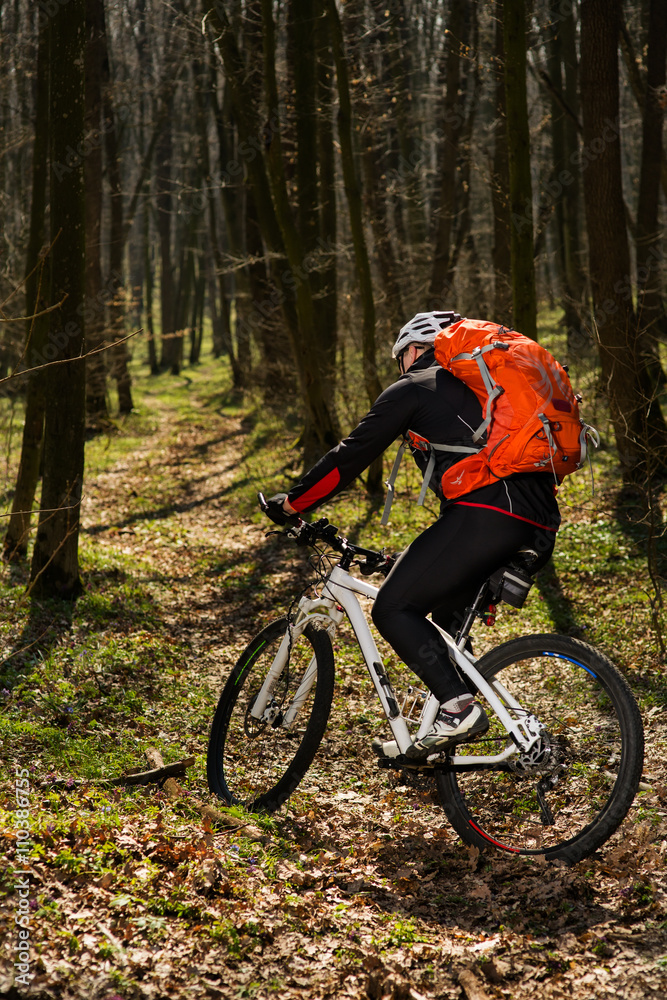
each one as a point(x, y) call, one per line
point(403, 763)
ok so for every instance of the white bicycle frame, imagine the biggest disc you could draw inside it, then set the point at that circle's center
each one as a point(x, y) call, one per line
point(338, 598)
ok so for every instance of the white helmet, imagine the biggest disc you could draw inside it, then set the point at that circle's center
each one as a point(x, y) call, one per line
point(422, 329)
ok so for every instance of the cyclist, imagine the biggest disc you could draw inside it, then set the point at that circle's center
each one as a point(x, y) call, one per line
point(442, 569)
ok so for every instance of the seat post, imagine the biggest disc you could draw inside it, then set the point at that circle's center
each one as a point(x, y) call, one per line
point(471, 613)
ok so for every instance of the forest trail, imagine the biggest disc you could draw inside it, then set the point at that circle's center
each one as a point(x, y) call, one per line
point(169, 504)
point(358, 888)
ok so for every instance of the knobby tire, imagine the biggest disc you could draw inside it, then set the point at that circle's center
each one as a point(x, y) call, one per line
point(592, 752)
point(254, 763)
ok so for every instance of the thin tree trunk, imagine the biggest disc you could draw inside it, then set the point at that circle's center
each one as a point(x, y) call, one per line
point(524, 298)
point(650, 310)
point(216, 320)
point(353, 193)
point(227, 344)
point(377, 205)
point(574, 252)
point(397, 53)
point(463, 236)
point(117, 235)
point(148, 286)
point(164, 155)
point(452, 127)
point(327, 271)
point(371, 106)
point(500, 185)
point(639, 427)
point(196, 321)
point(308, 116)
point(264, 317)
point(299, 323)
point(638, 86)
point(558, 161)
point(55, 564)
point(96, 398)
point(322, 425)
point(18, 530)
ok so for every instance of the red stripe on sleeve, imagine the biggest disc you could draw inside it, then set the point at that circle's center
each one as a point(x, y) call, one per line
point(318, 491)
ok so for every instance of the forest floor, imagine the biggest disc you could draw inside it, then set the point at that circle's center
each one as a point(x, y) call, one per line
point(358, 887)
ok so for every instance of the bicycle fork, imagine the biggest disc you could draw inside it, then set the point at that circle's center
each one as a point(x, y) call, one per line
point(263, 707)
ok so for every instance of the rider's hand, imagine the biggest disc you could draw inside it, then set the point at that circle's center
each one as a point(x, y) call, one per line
point(275, 510)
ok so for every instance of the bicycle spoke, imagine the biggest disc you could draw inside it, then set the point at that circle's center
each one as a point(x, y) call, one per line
point(258, 761)
point(577, 784)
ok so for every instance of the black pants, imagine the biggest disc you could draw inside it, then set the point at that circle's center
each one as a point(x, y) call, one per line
point(440, 573)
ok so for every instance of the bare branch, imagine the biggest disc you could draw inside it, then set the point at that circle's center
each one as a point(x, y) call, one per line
point(65, 361)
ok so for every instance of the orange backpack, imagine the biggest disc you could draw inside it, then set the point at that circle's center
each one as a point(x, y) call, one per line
point(531, 415)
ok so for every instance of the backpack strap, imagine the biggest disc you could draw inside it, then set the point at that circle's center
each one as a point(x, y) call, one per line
point(588, 433)
point(493, 389)
point(433, 451)
point(392, 479)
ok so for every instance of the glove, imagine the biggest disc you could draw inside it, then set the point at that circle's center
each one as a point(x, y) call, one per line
point(273, 509)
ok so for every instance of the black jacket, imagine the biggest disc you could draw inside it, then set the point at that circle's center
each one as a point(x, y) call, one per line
point(436, 405)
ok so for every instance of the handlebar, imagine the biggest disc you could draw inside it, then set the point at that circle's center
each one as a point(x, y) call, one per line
point(306, 533)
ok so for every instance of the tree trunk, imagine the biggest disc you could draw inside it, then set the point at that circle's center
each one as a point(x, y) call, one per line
point(197, 318)
point(280, 234)
point(117, 236)
point(16, 538)
point(227, 344)
point(164, 155)
point(353, 193)
point(558, 162)
point(638, 87)
point(264, 318)
point(576, 306)
point(96, 380)
point(321, 422)
point(328, 213)
point(148, 293)
point(216, 319)
point(372, 108)
point(650, 311)
point(55, 564)
point(309, 116)
point(398, 51)
point(500, 185)
point(377, 208)
point(462, 235)
point(524, 299)
point(639, 426)
point(452, 125)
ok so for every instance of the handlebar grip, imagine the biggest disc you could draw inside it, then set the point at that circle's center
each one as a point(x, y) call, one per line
point(273, 508)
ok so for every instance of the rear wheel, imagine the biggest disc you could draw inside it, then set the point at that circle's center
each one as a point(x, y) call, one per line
point(259, 762)
point(567, 797)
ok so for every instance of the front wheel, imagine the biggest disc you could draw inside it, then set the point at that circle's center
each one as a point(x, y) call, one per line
point(257, 762)
point(579, 783)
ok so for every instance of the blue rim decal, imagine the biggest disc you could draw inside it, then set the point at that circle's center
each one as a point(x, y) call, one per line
point(561, 656)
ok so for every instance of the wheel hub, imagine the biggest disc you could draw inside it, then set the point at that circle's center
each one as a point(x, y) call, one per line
point(540, 759)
